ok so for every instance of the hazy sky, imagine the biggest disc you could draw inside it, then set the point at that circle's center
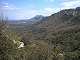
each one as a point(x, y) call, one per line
point(21, 9)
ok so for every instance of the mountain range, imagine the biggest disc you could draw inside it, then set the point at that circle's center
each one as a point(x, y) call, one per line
point(40, 26)
point(54, 37)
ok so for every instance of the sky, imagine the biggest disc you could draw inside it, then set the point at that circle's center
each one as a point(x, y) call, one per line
point(25, 9)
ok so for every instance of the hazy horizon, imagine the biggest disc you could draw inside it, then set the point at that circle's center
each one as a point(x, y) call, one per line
point(25, 9)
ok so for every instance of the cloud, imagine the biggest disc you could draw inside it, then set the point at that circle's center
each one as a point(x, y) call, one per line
point(7, 6)
point(67, 0)
point(25, 14)
point(70, 4)
point(13, 12)
point(49, 11)
point(7, 9)
point(29, 13)
point(21, 13)
point(49, 0)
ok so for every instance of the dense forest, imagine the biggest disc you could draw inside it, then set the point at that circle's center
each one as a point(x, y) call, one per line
point(55, 37)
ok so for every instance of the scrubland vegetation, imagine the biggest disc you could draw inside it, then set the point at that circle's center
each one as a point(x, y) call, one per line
point(44, 43)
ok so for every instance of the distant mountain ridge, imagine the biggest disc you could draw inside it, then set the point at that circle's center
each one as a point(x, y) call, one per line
point(27, 21)
point(63, 18)
point(58, 21)
point(60, 30)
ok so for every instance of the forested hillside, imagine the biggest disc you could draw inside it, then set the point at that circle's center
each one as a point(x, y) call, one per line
point(56, 37)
